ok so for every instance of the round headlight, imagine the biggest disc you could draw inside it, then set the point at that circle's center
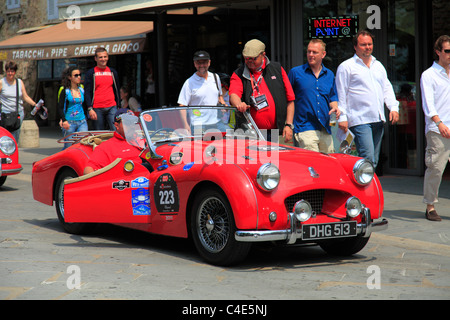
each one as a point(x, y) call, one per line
point(7, 145)
point(353, 207)
point(363, 172)
point(302, 210)
point(268, 176)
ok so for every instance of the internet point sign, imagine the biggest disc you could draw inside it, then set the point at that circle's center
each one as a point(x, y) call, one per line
point(333, 27)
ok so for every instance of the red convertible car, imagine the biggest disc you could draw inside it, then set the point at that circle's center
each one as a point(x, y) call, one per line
point(9, 156)
point(209, 174)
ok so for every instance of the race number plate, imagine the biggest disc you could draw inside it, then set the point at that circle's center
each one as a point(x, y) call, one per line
point(329, 230)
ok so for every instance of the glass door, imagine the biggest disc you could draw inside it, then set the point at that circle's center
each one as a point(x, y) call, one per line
point(402, 74)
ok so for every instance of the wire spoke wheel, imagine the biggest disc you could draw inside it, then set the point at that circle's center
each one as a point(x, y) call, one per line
point(213, 228)
point(213, 225)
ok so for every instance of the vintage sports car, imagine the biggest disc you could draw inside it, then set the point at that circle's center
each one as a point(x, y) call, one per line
point(9, 156)
point(209, 174)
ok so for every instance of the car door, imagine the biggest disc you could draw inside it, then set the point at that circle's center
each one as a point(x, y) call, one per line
point(111, 195)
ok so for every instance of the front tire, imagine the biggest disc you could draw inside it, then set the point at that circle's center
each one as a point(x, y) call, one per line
point(2, 180)
point(74, 228)
point(213, 229)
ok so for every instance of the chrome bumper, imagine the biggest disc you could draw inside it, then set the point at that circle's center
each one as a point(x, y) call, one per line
point(9, 171)
point(294, 233)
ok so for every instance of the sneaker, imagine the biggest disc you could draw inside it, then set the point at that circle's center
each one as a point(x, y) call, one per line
point(432, 215)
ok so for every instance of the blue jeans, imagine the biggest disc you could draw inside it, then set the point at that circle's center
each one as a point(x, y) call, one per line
point(368, 138)
point(102, 114)
point(75, 126)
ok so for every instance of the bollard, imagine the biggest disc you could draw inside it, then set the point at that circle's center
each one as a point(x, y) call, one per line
point(29, 134)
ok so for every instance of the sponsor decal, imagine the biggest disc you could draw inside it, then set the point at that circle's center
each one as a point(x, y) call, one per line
point(140, 196)
point(121, 185)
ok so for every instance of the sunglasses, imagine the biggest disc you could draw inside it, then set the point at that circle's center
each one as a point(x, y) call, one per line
point(447, 50)
point(252, 58)
point(77, 75)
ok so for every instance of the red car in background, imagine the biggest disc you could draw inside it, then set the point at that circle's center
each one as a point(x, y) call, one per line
point(221, 184)
point(9, 156)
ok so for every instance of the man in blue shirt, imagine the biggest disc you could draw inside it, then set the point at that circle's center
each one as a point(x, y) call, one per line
point(315, 100)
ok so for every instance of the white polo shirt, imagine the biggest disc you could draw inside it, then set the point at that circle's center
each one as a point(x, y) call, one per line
point(198, 91)
point(435, 88)
point(363, 91)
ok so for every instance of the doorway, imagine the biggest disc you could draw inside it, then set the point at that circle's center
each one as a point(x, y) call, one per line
point(402, 141)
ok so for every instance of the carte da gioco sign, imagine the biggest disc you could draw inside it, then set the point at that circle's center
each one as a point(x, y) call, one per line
point(333, 27)
point(73, 51)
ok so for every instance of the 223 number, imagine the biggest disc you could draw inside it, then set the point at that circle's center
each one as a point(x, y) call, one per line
point(166, 197)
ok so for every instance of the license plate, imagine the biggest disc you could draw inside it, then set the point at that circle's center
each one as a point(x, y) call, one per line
point(329, 230)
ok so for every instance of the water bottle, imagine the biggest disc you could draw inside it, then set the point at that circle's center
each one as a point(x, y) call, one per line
point(37, 107)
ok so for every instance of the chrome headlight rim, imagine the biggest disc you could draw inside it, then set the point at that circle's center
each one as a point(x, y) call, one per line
point(302, 210)
point(353, 207)
point(268, 176)
point(7, 145)
point(363, 172)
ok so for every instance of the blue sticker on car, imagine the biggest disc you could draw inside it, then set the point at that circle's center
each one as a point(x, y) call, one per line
point(140, 196)
point(188, 166)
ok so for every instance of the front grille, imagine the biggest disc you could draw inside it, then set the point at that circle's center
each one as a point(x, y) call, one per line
point(314, 197)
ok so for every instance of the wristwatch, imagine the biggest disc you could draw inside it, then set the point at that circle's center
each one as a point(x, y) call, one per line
point(438, 123)
point(289, 125)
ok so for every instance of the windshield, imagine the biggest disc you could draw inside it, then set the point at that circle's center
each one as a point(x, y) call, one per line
point(181, 123)
point(132, 130)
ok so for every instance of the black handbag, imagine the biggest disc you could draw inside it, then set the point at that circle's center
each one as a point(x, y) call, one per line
point(11, 120)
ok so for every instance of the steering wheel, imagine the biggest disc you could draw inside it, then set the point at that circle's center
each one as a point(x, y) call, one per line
point(168, 132)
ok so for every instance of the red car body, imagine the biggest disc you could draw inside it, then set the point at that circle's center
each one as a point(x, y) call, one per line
point(9, 156)
point(209, 187)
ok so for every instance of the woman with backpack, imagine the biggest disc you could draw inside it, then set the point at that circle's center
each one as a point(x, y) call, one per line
point(71, 103)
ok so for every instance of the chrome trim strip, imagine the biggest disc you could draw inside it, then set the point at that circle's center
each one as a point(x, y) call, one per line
point(8, 172)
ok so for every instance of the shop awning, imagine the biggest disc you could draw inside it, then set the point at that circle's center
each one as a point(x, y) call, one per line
point(74, 39)
point(101, 8)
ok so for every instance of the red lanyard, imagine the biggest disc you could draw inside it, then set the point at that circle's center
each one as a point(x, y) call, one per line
point(255, 86)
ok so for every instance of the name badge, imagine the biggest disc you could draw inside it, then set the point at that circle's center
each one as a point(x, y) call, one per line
point(259, 102)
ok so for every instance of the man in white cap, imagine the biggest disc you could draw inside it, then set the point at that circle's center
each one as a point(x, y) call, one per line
point(263, 86)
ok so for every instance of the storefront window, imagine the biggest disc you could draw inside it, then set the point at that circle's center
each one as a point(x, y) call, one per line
point(401, 72)
point(394, 46)
point(221, 31)
point(339, 44)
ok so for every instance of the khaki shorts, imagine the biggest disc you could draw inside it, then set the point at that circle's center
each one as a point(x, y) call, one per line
point(315, 140)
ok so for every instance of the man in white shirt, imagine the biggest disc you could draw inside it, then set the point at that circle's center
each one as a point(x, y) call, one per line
point(435, 88)
point(363, 88)
point(203, 88)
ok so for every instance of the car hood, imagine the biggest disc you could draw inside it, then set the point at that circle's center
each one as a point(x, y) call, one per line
point(300, 168)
